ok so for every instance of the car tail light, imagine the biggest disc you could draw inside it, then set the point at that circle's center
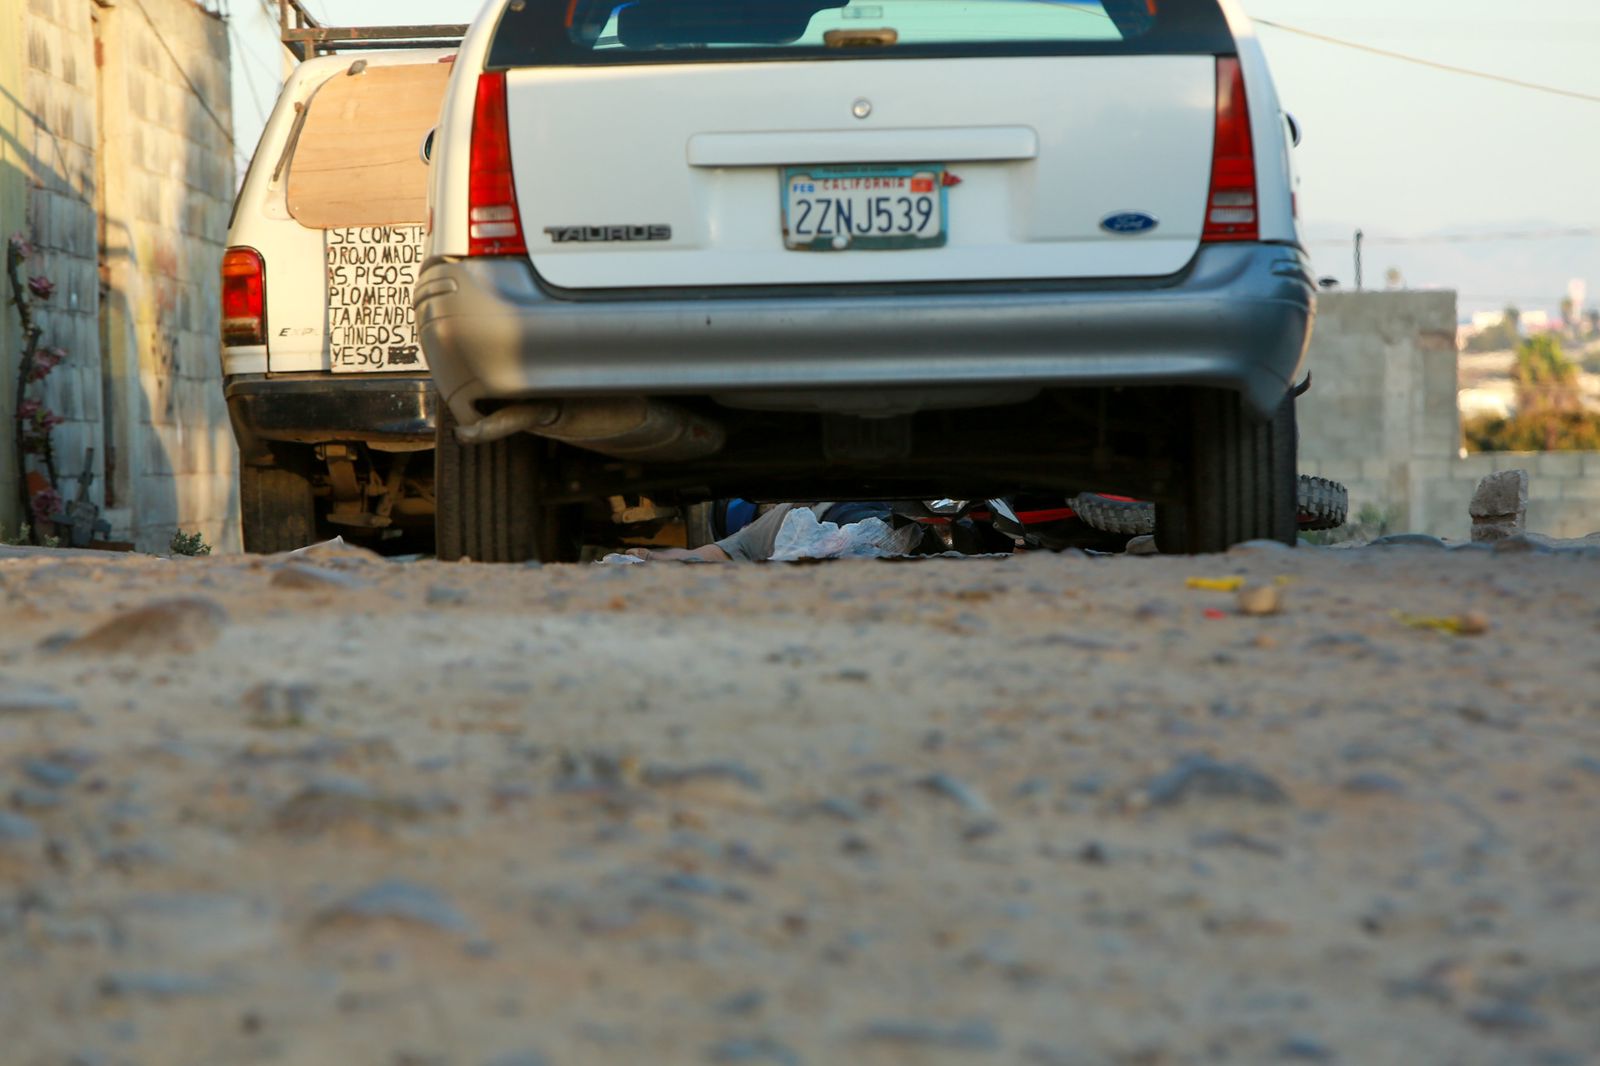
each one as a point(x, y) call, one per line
point(493, 225)
point(1231, 208)
point(244, 298)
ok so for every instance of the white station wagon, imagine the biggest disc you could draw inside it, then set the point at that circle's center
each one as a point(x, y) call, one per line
point(862, 249)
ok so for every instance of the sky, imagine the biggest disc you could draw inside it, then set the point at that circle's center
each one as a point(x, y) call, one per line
point(1403, 152)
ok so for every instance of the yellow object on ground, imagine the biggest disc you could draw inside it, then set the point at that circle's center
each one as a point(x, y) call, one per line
point(1216, 584)
point(1470, 624)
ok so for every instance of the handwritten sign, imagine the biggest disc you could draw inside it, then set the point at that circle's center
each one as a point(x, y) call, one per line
point(371, 324)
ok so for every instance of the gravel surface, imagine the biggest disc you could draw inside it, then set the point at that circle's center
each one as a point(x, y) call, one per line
point(1051, 811)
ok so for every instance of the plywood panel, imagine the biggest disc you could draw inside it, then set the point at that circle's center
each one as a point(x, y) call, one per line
point(357, 161)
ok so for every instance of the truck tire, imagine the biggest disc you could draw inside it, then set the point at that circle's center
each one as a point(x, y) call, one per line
point(1240, 481)
point(276, 510)
point(487, 501)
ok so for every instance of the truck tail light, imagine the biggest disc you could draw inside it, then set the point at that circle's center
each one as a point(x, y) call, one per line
point(493, 225)
point(244, 298)
point(1232, 212)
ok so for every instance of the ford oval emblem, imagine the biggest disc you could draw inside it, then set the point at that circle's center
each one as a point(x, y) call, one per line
point(1129, 222)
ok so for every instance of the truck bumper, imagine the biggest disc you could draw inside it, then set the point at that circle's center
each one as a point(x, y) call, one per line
point(1238, 317)
point(320, 409)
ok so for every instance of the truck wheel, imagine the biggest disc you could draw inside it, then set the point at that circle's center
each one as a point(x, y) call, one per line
point(1241, 478)
point(276, 510)
point(487, 501)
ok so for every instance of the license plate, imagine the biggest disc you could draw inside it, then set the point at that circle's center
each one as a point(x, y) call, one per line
point(864, 208)
point(371, 326)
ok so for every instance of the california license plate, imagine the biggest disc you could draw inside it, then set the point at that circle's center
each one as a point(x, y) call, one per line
point(864, 208)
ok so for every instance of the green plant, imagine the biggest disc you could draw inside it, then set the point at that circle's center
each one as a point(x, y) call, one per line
point(189, 544)
point(24, 536)
point(1549, 415)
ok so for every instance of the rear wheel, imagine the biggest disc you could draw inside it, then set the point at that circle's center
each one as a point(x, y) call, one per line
point(487, 501)
point(699, 524)
point(1241, 478)
point(276, 510)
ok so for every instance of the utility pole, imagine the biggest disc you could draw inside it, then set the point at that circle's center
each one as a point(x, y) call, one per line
point(1359, 238)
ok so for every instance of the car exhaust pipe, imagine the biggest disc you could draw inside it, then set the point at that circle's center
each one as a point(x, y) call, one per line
point(627, 428)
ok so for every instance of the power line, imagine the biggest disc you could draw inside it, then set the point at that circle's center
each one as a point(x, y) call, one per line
point(249, 79)
point(1419, 61)
point(1476, 238)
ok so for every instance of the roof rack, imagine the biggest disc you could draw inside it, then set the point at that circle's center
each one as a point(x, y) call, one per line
point(304, 36)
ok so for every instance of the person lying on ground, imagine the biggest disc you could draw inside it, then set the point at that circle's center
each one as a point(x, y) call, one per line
point(758, 541)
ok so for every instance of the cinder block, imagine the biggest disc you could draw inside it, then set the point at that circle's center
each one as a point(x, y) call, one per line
point(1559, 465)
point(158, 459)
point(1580, 489)
point(1380, 469)
point(155, 501)
point(1546, 488)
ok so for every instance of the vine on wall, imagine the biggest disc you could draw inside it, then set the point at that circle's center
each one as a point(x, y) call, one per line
point(34, 422)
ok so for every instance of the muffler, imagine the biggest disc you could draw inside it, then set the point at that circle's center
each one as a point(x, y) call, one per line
point(625, 428)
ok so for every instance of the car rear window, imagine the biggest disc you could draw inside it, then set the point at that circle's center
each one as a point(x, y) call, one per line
point(600, 32)
point(356, 159)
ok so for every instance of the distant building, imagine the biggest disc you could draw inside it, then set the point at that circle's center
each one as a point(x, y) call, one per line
point(1578, 293)
point(1533, 322)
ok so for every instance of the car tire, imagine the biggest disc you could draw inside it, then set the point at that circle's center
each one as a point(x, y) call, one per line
point(1240, 481)
point(487, 501)
point(699, 524)
point(276, 510)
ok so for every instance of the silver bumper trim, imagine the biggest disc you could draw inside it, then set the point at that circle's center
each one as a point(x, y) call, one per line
point(1239, 317)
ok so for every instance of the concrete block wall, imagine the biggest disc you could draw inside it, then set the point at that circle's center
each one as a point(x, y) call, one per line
point(114, 147)
point(60, 94)
point(14, 156)
point(169, 192)
point(1382, 418)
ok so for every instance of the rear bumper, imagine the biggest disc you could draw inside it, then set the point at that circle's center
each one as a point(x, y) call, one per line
point(1239, 317)
point(320, 408)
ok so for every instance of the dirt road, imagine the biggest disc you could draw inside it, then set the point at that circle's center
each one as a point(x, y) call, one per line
point(1047, 811)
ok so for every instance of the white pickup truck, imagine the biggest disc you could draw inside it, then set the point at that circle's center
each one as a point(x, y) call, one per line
point(326, 383)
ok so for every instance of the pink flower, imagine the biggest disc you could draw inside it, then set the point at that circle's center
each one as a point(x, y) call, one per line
point(37, 423)
point(44, 361)
point(20, 246)
point(41, 286)
point(46, 504)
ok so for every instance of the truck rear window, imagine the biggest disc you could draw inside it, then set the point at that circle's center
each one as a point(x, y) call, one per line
point(600, 32)
point(356, 159)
